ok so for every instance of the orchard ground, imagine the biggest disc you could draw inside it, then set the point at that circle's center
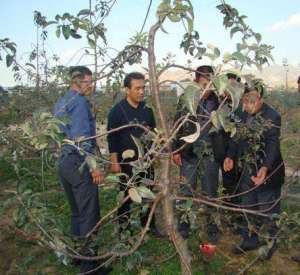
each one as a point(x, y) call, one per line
point(20, 254)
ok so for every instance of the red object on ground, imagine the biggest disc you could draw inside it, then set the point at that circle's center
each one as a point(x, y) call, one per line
point(208, 249)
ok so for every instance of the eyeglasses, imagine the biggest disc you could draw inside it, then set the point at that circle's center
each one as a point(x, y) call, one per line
point(87, 81)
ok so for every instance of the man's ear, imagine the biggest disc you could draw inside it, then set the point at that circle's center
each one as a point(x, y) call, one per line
point(126, 90)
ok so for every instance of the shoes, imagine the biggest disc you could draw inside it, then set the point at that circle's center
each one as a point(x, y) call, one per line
point(244, 247)
point(213, 233)
point(296, 258)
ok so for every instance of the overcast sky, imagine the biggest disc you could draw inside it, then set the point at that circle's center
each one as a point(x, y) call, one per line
point(278, 21)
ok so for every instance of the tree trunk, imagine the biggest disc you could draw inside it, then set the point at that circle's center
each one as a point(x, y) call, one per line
point(168, 208)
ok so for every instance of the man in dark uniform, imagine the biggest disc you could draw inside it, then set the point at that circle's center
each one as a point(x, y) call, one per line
point(231, 178)
point(265, 173)
point(207, 145)
point(121, 144)
point(81, 187)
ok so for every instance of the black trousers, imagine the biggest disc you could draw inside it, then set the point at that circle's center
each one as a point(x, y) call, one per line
point(124, 210)
point(262, 198)
point(83, 199)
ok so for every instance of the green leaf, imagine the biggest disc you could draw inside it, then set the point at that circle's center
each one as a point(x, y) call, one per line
point(144, 192)
point(30, 65)
point(220, 82)
point(139, 146)
point(174, 17)
point(66, 31)
point(236, 90)
point(239, 56)
point(65, 16)
point(74, 34)
point(134, 195)
point(58, 32)
point(217, 52)
point(226, 57)
point(91, 162)
point(12, 47)
point(91, 42)
point(9, 60)
point(84, 12)
point(188, 204)
point(215, 120)
point(189, 97)
point(258, 37)
point(112, 178)
point(163, 9)
point(234, 30)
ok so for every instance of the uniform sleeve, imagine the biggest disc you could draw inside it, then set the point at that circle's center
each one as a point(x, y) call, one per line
point(272, 143)
point(112, 138)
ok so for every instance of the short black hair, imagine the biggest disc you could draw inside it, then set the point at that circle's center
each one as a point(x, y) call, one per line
point(233, 76)
point(79, 72)
point(131, 76)
point(205, 71)
point(255, 85)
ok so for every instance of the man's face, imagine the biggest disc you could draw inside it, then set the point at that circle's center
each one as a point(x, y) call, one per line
point(251, 102)
point(136, 91)
point(85, 85)
point(203, 81)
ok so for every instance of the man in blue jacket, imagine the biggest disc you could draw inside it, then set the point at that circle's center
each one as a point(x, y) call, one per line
point(81, 187)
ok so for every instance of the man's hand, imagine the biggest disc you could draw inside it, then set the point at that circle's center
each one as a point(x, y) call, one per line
point(116, 168)
point(97, 176)
point(228, 164)
point(260, 177)
point(177, 159)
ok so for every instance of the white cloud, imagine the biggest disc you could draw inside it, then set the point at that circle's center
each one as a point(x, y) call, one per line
point(292, 22)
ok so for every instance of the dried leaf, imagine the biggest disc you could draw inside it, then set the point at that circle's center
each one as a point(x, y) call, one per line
point(215, 120)
point(144, 192)
point(193, 137)
point(139, 146)
point(134, 195)
point(128, 154)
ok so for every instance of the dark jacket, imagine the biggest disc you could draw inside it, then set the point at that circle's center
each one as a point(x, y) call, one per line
point(123, 114)
point(270, 156)
point(203, 111)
